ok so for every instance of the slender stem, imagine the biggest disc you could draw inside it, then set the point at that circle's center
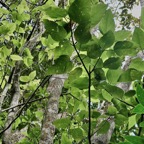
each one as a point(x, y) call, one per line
point(89, 107)
point(77, 51)
point(140, 128)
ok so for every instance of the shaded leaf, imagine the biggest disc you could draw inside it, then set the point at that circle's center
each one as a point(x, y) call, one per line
point(81, 83)
point(112, 63)
point(62, 123)
point(107, 40)
point(135, 139)
point(140, 94)
point(123, 48)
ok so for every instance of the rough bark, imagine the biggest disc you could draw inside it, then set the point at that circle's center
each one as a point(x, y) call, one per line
point(8, 137)
point(142, 3)
point(51, 110)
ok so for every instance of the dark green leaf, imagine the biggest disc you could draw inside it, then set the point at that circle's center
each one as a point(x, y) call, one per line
point(76, 73)
point(55, 12)
point(107, 40)
point(123, 48)
point(76, 133)
point(112, 63)
point(103, 127)
point(94, 51)
point(135, 139)
point(82, 34)
point(56, 31)
point(60, 66)
point(81, 83)
point(86, 12)
point(130, 75)
point(62, 123)
point(140, 94)
point(120, 119)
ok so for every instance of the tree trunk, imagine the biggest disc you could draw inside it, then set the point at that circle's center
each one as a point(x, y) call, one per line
point(51, 110)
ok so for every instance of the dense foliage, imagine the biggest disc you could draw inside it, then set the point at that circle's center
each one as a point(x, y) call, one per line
point(77, 38)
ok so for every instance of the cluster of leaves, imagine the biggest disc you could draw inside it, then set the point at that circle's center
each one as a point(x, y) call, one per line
point(94, 74)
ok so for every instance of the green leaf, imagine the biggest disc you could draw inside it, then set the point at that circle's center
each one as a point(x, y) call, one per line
point(76, 73)
point(60, 66)
point(140, 94)
point(82, 34)
point(16, 57)
point(106, 95)
point(56, 31)
point(107, 40)
point(81, 83)
point(76, 133)
point(22, 7)
point(24, 78)
point(113, 90)
point(141, 124)
point(132, 121)
point(95, 114)
point(138, 37)
point(122, 35)
point(96, 13)
point(139, 109)
point(123, 48)
point(137, 64)
point(55, 12)
point(79, 11)
point(107, 22)
point(113, 75)
point(112, 63)
point(86, 13)
point(94, 51)
point(111, 110)
point(62, 123)
point(130, 75)
point(4, 30)
point(135, 139)
point(32, 75)
point(99, 74)
point(64, 48)
point(120, 119)
point(65, 139)
point(103, 127)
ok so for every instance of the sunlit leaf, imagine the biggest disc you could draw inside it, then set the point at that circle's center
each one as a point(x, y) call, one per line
point(16, 57)
point(107, 22)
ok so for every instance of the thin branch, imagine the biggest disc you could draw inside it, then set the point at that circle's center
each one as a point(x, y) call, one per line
point(89, 107)
point(71, 96)
point(22, 104)
point(77, 51)
point(125, 102)
point(4, 5)
point(25, 104)
point(140, 128)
